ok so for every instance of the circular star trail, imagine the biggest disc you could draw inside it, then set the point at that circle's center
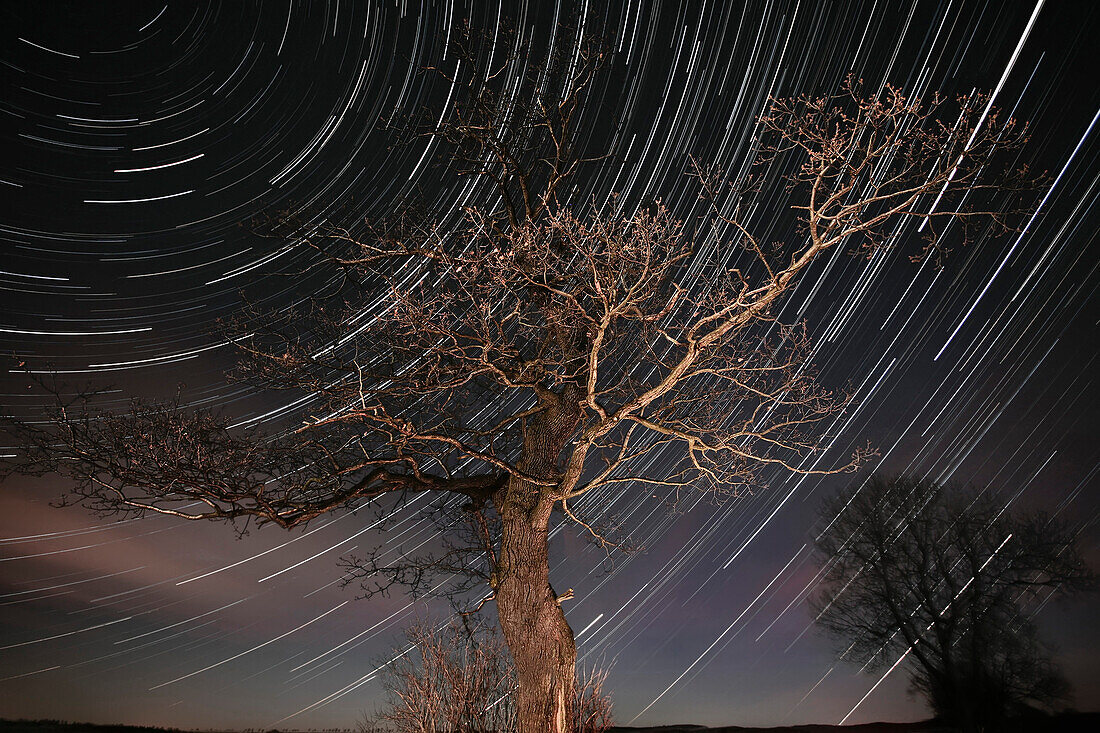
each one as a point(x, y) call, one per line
point(142, 138)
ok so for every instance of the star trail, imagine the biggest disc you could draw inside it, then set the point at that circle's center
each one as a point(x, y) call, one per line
point(143, 140)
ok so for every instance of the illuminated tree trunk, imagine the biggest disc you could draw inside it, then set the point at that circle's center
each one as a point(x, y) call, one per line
point(535, 628)
point(531, 616)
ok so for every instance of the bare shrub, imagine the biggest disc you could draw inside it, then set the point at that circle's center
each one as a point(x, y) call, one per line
point(459, 678)
point(593, 704)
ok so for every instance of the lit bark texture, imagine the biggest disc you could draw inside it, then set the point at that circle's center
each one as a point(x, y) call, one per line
point(531, 616)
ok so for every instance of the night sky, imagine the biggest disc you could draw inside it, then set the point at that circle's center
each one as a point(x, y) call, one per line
point(138, 136)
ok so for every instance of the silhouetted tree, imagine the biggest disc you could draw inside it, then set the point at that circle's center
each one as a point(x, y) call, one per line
point(533, 354)
point(947, 579)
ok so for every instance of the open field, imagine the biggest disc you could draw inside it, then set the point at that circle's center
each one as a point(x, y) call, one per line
point(1066, 723)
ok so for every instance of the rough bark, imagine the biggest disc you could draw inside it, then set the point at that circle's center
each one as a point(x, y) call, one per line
point(531, 617)
point(535, 628)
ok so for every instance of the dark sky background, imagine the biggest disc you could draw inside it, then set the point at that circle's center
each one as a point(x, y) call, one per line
point(138, 135)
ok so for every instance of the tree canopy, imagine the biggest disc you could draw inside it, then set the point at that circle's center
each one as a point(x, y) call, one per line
point(948, 579)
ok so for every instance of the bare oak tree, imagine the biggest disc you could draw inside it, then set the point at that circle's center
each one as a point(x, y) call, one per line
point(946, 578)
point(533, 354)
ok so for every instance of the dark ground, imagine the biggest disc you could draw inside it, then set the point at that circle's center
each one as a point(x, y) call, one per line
point(1064, 723)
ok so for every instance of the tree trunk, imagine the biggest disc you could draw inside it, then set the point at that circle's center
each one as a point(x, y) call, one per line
point(531, 617)
point(534, 626)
